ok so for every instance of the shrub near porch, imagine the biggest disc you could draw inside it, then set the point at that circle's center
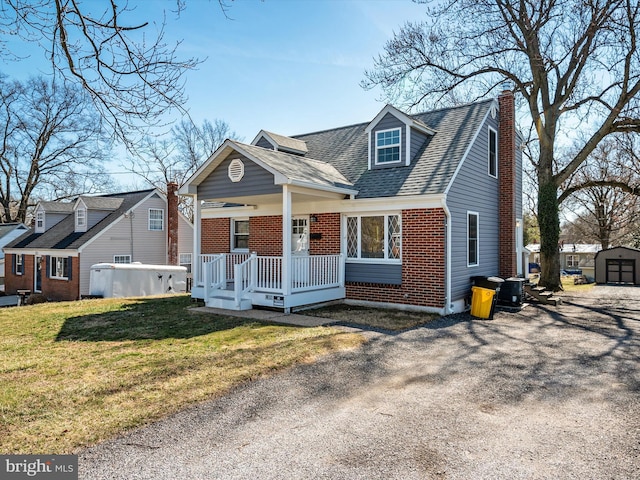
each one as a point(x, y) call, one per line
point(76, 373)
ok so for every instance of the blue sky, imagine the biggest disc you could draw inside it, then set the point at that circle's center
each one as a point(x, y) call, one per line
point(283, 65)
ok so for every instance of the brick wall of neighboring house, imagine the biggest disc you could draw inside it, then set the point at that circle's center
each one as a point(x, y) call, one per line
point(328, 227)
point(423, 264)
point(13, 282)
point(265, 235)
point(59, 290)
point(216, 235)
point(53, 289)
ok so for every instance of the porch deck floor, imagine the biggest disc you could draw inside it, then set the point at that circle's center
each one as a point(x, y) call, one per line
point(295, 319)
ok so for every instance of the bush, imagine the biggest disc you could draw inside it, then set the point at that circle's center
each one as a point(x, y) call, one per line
point(36, 298)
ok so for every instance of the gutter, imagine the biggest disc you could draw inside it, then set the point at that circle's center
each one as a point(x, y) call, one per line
point(447, 258)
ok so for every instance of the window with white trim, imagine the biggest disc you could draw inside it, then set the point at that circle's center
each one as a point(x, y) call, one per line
point(81, 219)
point(374, 237)
point(122, 258)
point(388, 146)
point(573, 260)
point(493, 153)
point(472, 238)
point(19, 270)
point(59, 267)
point(240, 234)
point(185, 261)
point(39, 222)
point(156, 219)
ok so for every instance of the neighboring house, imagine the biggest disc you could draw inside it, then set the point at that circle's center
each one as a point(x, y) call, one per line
point(68, 237)
point(8, 232)
point(402, 210)
point(574, 257)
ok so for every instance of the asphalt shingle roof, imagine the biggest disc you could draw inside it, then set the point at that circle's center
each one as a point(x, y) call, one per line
point(62, 235)
point(432, 168)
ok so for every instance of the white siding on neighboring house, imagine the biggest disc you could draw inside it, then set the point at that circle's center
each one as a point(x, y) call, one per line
point(148, 246)
point(185, 236)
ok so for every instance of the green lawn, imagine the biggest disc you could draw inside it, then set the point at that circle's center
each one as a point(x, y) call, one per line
point(75, 373)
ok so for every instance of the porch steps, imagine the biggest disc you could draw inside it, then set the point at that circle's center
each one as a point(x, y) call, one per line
point(225, 299)
point(541, 294)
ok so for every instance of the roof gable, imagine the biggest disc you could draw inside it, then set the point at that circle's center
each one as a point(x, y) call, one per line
point(281, 142)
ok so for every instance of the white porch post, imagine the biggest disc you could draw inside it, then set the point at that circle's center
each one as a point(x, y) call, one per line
point(196, 265)
point(286, 241)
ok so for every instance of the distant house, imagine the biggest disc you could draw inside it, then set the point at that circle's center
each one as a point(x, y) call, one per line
point(401, 210)
point(55, 257)
point(8, 232)
point(574, 257)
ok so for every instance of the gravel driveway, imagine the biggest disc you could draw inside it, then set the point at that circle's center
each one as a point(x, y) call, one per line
point(543, 393)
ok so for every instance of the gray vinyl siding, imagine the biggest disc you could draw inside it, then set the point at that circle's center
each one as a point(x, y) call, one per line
point(256, 181)
point(264, 143)
point(148, 246)
point(473, 190)
point(518, 180)
point(417, 141)
point(386, 123)
point(94, 216)
point(373, 273)
point(52, 219)
point(185, 236)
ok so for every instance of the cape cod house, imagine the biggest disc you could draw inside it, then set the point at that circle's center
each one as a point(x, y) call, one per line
point(402, 210)
point(55, 257)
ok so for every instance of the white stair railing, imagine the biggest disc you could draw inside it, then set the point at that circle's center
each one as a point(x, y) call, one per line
point(244, 278)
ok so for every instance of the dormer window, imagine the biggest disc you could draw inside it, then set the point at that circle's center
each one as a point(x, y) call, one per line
point(81, 219)
point(388, 146)
point(40, 222)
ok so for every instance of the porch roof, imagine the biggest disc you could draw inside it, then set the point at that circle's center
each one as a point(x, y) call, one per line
point(287, 169)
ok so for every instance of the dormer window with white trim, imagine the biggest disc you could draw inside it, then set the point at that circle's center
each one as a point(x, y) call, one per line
point(388, 146)
point(40, 221)
point(81, 219)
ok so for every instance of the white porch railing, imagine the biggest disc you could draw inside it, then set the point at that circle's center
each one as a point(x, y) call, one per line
point(264, 273)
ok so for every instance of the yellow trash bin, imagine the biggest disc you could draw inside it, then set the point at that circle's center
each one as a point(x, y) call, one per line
point(481, 302)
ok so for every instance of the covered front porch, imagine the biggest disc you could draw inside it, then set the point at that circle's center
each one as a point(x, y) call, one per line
point(239, 281)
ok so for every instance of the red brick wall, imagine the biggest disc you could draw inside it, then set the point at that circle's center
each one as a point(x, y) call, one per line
point(423, 264)
point(59, 290)
point(13, 282)
point(328, 225)
point(53, 289)
point(265, 235)
point(216, 235)
point(507, 181)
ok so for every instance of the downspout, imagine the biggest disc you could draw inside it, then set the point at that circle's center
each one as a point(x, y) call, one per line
point(447, 257)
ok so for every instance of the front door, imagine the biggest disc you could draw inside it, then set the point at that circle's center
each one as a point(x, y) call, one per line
point(300, 251)
point(37, 277)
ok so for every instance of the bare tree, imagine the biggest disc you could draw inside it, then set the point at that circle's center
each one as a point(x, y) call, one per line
point(604, 192)
point(51, 146)
point(574, 63)
point(132, 74)
point(177, 157)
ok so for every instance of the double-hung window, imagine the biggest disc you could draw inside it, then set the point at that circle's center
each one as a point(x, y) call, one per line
point(240, 234)
point(19, 269)
point(493, 153)
point(388, 146)
point(39, 222)
point(573, 260)
point(81, 219)
point(156, 219)
point(372, 237)
point(59, 267)
point(472, 239)
point(122, 258)
point(185, 261)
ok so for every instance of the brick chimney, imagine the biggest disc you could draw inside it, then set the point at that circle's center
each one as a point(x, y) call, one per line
point(507, 182)
point(172, 223)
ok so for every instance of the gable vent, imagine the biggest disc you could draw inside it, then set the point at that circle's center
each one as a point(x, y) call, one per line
point(236, 170)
